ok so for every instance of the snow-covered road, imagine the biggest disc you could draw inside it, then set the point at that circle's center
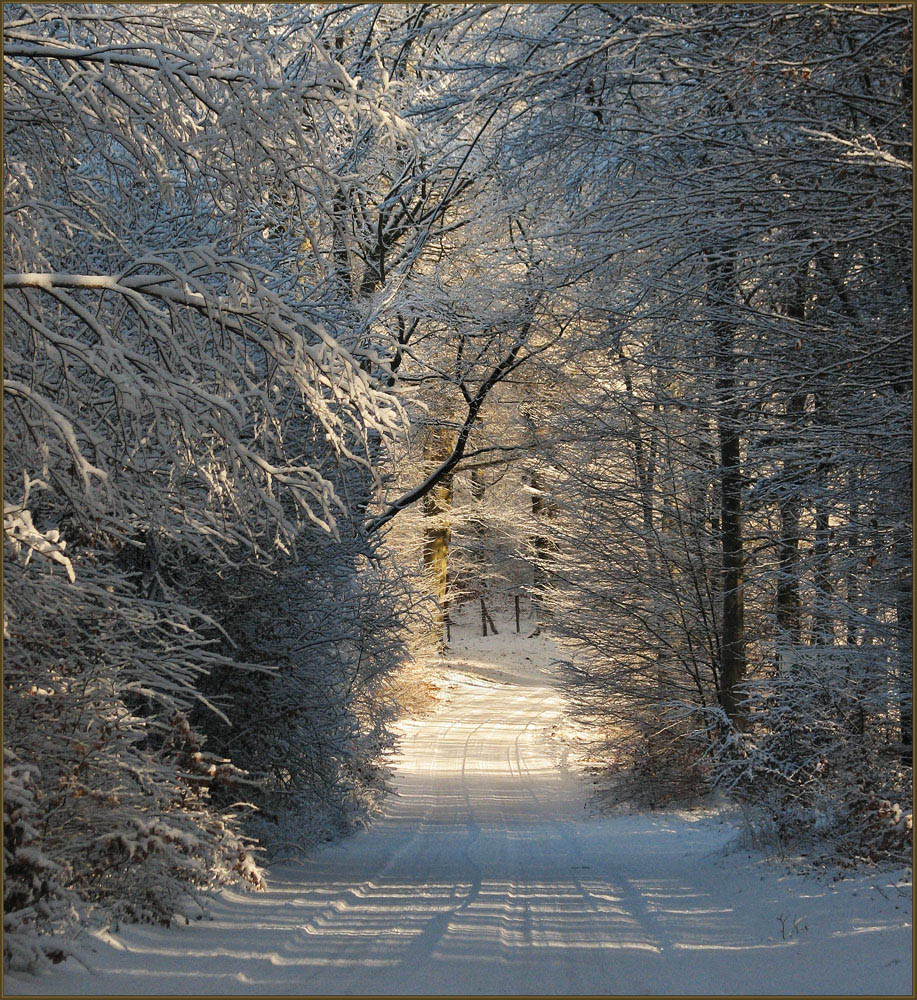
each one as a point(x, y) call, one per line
point(486, 875)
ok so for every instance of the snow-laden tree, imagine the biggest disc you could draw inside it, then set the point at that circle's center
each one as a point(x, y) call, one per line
point(427, 255)
point(187, 424)
point(234, 237)
point(738, 186)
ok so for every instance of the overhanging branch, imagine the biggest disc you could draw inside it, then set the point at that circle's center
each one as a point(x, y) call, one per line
point(511, 361)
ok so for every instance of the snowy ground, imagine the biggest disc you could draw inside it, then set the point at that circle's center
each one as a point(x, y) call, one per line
point(486, 875)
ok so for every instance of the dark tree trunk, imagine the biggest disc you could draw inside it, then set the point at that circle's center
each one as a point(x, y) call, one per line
point(721, 295)
point(788, 620)
point(436, 506)
point(539, 541)
point(822, 621)
point(857, 686)
point(905, 613)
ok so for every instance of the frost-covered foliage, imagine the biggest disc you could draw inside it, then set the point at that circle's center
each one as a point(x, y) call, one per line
point(731, 463)
point(329, 628)
point(33, 892)
point(186, 429)
point(244, 244)
point(817, 764)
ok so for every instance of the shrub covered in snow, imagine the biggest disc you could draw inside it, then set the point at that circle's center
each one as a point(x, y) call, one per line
point(311, 728)
point(37, 907)
point(819, 763)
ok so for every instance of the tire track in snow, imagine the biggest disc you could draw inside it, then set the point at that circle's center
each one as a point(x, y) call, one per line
point(353, 897)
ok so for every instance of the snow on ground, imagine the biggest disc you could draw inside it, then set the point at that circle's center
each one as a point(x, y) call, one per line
point(485, 874)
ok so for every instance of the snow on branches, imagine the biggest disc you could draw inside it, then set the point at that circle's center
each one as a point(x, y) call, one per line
point(187, 413)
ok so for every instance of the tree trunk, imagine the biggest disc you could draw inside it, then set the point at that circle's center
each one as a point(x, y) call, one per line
point(788, 621)
point(539, 541)
point(857, 685)
point(822, 622)
point(905, 613)
point(436, 506)
point(721, 293)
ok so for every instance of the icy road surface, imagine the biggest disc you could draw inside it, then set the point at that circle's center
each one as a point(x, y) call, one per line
point(486, 875)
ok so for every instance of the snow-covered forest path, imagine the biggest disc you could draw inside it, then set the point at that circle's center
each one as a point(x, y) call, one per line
point(485, 874)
